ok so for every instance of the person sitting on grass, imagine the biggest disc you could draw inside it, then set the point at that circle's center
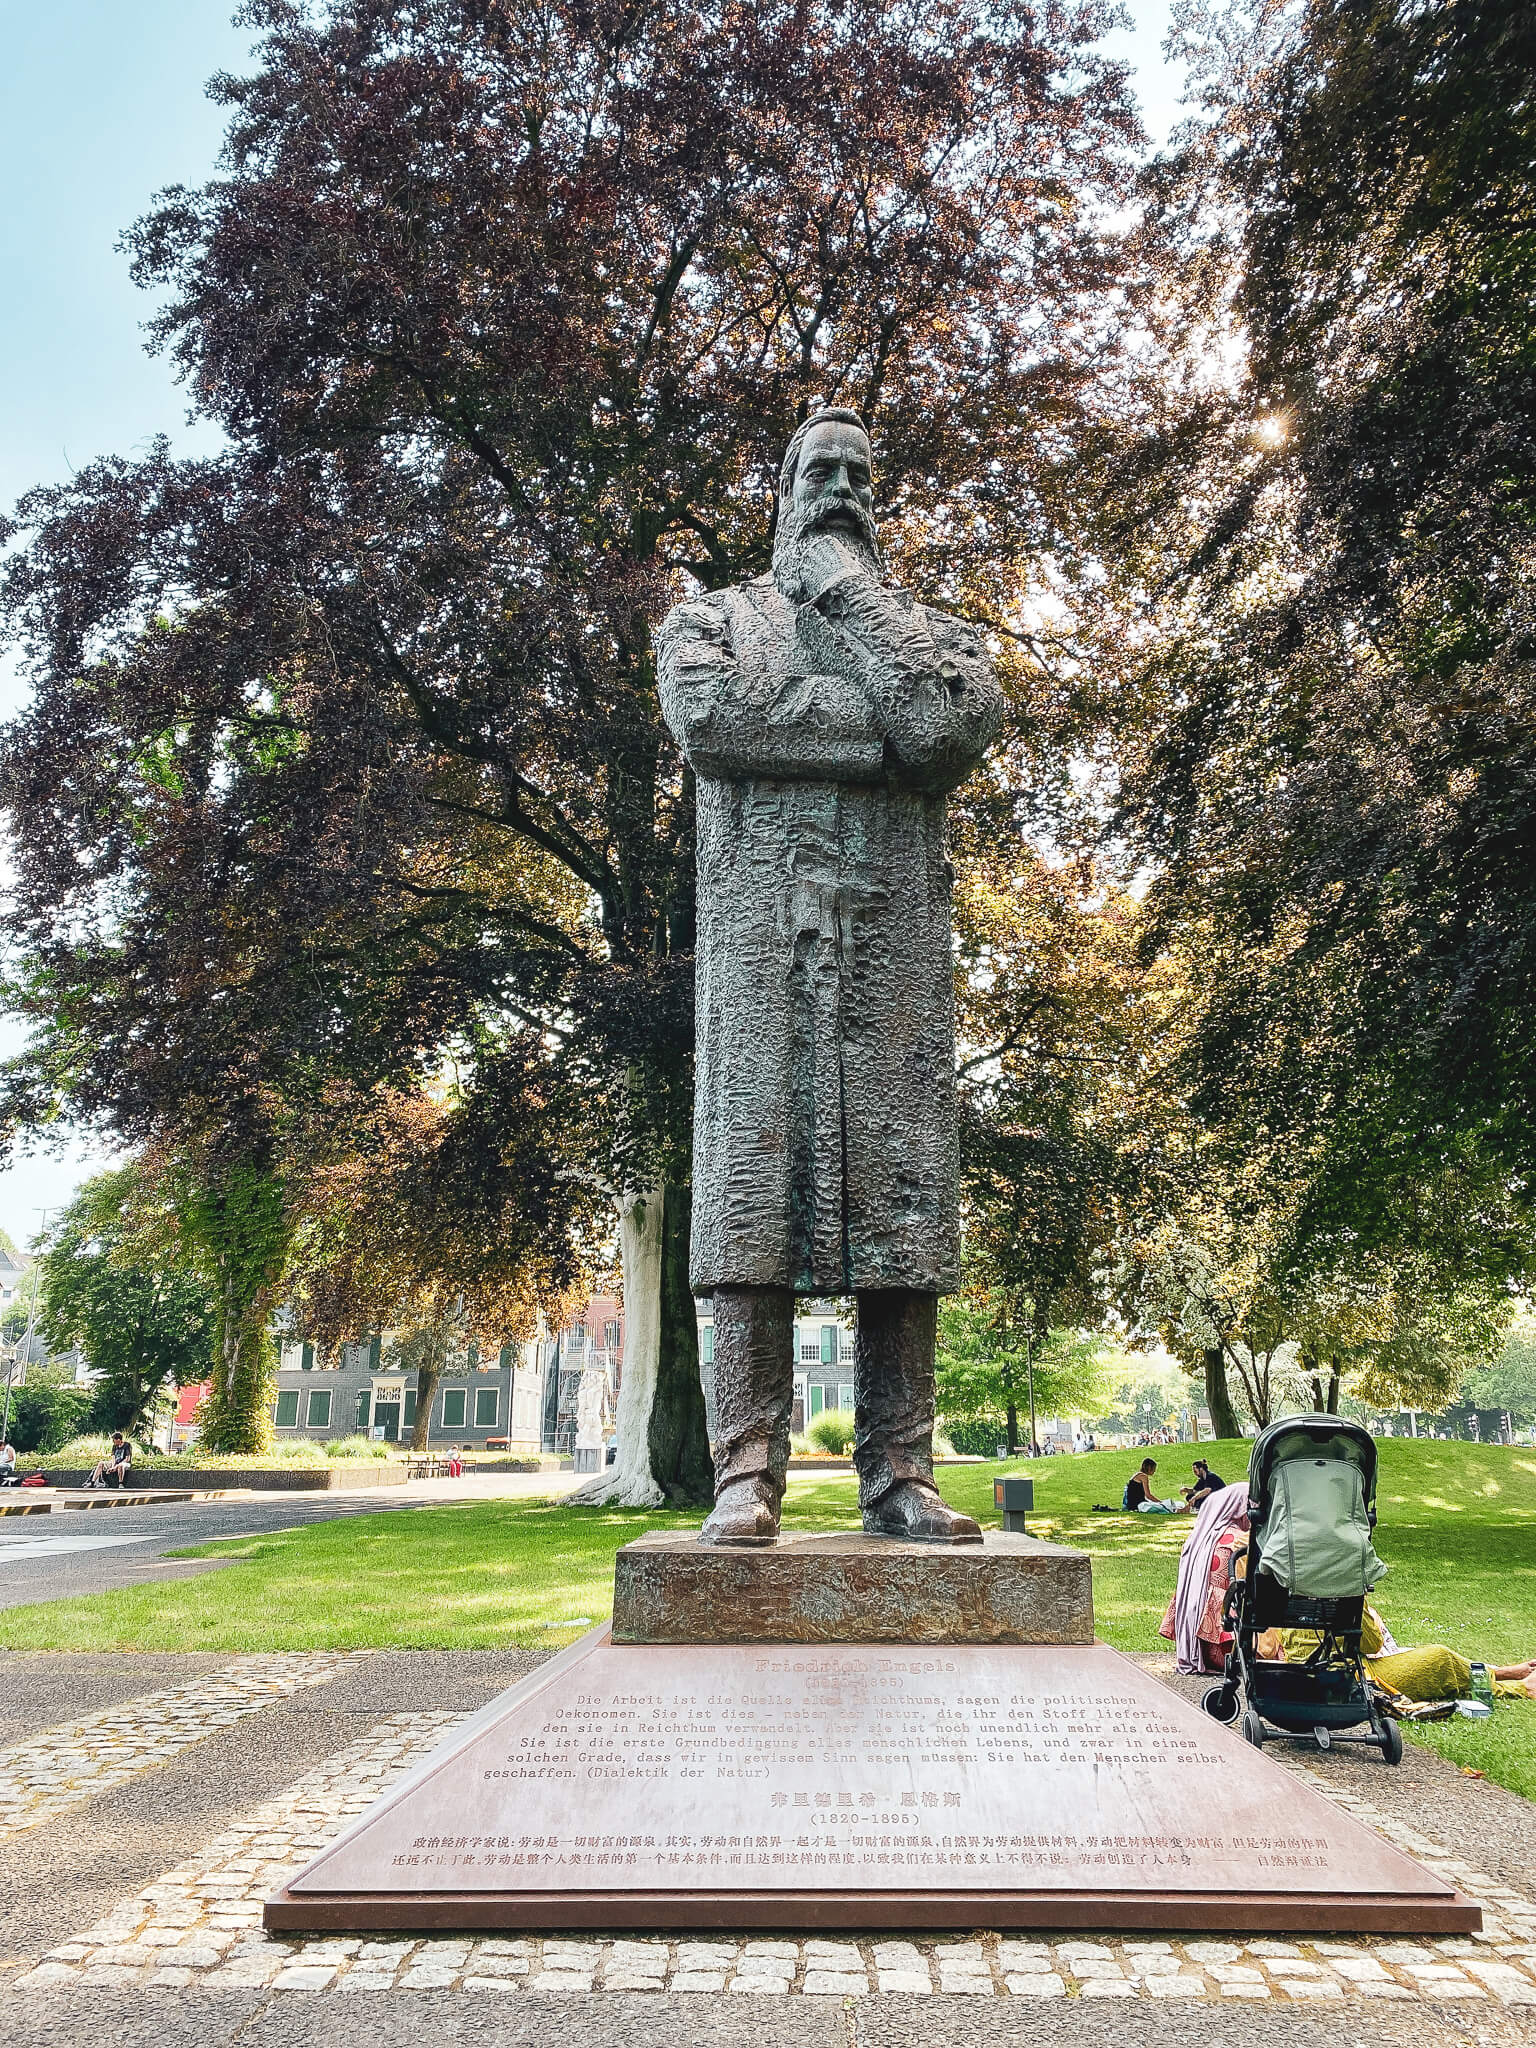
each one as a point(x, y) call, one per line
point(114, 1467)
point(1434, 1672)
point(1206, 1483)
point(1140, 1498)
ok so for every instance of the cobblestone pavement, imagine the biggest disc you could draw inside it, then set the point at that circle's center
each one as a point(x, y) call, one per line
point(200, 1925)
point(52, 1772)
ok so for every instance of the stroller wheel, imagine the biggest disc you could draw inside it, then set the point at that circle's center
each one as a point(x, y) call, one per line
point(1220, 1702)
point(1253, 1729)
point(1391, 1742)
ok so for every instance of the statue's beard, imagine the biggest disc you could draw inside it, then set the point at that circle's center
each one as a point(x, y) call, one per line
point(795, 545)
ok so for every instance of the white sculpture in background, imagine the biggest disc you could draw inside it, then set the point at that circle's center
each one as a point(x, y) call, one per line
point(591, 1418)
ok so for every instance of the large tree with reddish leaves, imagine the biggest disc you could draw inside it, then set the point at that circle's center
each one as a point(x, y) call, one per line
point(345, 752)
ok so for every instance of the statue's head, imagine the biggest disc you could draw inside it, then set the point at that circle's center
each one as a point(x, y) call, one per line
point(825, 486)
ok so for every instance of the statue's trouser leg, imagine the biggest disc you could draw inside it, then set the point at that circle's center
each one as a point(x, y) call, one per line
point(893, 1422)
point(754, 1392)
point(893, 1390)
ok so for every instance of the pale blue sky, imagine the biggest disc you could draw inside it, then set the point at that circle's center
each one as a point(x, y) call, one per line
point(101, 105)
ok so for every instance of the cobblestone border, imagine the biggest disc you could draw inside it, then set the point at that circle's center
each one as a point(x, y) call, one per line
point(62, 1768)
point(201, 1923)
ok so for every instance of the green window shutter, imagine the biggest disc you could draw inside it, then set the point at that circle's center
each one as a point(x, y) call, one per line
point(487, 1406)
point(286, 1414)
point(307, 1360)
point(375, 1347)
point(408, 1410)
point(829, 1343)
point(453, 1408)
point(504, 1360)
point(816, 1400)
point(364, 1403)
point(474, 1357)
point(320, 1408)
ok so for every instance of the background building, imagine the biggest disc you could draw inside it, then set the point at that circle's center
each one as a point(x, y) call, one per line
point(482, 1398)
point(823, 1360)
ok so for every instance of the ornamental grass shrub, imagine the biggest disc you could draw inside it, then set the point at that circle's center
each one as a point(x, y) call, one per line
point(832, 1431)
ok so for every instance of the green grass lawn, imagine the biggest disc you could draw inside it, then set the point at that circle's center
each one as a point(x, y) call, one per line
point(1458, 1529)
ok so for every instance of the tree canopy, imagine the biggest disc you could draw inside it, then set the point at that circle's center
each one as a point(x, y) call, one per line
point(1325, 578)
point(344, 751)
point(117, 1284)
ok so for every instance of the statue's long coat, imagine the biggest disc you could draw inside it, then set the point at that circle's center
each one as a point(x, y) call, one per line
point(824, 738)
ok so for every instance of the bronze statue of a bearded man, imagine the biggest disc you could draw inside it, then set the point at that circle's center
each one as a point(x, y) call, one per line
point(825, 715)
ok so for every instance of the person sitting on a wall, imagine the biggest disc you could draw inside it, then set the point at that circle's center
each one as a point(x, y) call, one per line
point(116, 1465)
point(1139, 1498)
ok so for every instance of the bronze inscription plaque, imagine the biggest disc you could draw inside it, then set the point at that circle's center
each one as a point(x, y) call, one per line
point(686, 1769)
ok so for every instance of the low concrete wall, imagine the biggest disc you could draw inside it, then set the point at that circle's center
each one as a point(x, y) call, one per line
point(263, 1478)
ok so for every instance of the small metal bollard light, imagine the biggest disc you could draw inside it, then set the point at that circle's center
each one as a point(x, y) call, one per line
point(1016, 1498)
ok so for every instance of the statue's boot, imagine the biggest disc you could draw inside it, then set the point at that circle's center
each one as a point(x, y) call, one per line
point(746, 1512)
point(893, 1422)
point(916, 1512)
point(754, 1392)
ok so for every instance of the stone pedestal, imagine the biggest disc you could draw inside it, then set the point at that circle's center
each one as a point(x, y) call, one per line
point(852, 1589)
point(849, 1732)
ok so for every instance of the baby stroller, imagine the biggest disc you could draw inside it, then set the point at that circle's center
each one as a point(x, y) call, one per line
point(1311, 1562)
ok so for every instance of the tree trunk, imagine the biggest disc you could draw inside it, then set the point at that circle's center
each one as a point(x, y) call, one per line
point(428, 1373)
point(1313, 1378)
point(629, 1481)
point(662, 1437)
point(1334, 1376)
point(1255, 1383)
point(1218, 1398)
point(236, 1415)
point(679, 1433)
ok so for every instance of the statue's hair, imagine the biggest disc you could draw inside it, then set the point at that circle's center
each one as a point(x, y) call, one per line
point(797, 441)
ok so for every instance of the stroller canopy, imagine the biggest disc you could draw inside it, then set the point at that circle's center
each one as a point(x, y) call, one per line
point(1311, 1494)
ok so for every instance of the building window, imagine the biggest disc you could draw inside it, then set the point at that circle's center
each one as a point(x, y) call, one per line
point(453, 1407)
point(375, 1348)
point(707, 1344)
point(307, 1358)
point(487, 1406)
point(611, 1336)
point(829, 1343)
point(845, 1397)
point(810, 1349)
point(576, 1339)
point(319, 1414)
point(286, 1413)
point(364, 1405)
point(408, 1409)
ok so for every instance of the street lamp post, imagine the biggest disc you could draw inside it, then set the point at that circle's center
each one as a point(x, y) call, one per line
point(26, 1342)
point(1029, 1368)
point(26, 1348)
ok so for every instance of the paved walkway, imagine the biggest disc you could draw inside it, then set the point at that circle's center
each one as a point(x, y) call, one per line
point(179, 1933)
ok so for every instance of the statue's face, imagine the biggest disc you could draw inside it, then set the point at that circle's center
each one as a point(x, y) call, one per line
point(832, 480)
